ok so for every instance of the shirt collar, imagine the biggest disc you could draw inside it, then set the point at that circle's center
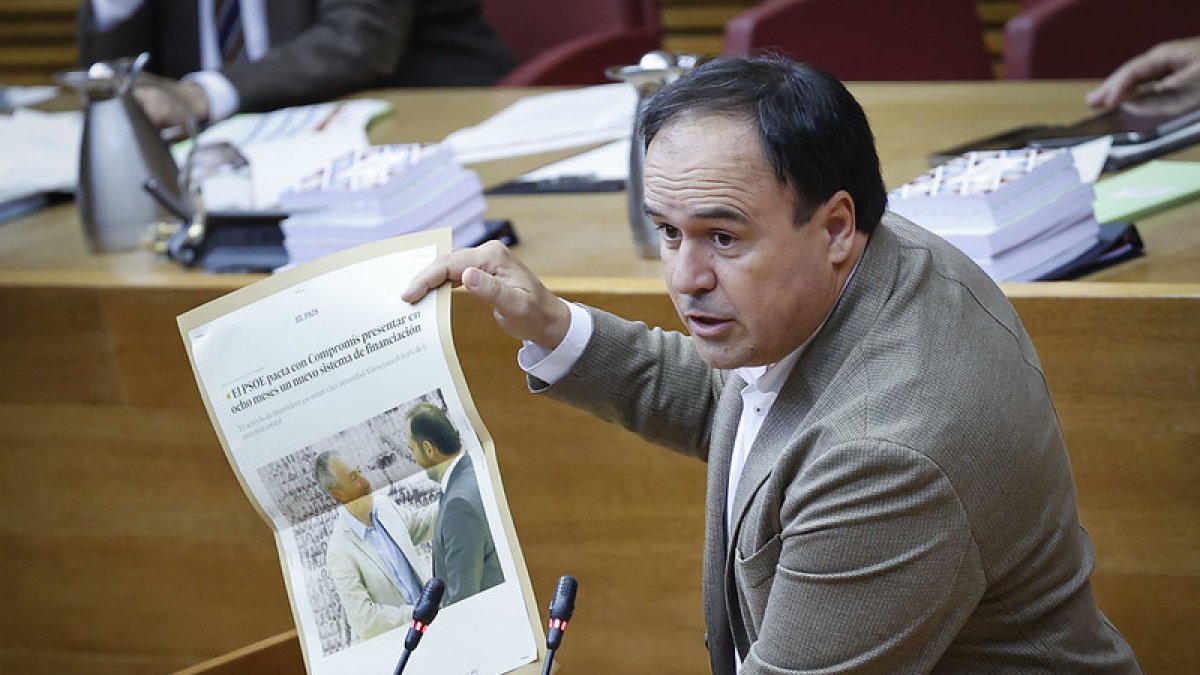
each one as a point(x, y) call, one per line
point(355, 524)
point(450, 469)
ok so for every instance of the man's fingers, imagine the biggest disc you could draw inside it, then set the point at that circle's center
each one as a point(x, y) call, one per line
point(504, 299)
point(450, 267)
point(426, 280)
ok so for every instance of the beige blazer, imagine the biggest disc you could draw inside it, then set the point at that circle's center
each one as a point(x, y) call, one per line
point(908, 505)
point(372, 602)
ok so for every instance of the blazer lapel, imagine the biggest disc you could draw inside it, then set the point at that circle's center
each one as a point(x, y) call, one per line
point(716, 613)
point(366, 549)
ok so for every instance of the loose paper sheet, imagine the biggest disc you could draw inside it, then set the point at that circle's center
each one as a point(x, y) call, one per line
point(327, 357)
point(545, 122)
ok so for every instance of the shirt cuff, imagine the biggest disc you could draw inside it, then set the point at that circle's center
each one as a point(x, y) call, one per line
point(223, 99)
point(550, 367)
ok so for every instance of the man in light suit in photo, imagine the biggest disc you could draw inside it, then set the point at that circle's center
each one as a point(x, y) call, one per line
point(464, 553)
point(888, 487)
point(371, 556)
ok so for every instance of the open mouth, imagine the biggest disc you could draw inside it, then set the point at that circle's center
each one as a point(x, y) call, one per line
point(706, 326)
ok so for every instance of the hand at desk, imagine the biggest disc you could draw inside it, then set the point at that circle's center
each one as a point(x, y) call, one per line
point(521, 304)
point(161, 98)
point(1168, 66)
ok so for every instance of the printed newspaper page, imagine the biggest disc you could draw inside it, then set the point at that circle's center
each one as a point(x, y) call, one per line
point(345, 416)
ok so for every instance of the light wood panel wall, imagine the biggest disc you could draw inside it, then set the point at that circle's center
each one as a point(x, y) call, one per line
point(128, 547)
point(37, 37)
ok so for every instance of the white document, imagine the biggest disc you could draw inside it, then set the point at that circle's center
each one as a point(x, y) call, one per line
point(545, 122)
point(324, 358)
point(40, 152)
point(1089, 158)
point(286, 145)
point(607, 162)
point(21, 97)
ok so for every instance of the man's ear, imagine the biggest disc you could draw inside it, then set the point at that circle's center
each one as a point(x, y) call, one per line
point(839, 224)
point(428, 449)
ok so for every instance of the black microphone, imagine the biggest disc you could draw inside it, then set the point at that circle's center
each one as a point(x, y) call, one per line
point(562, 606)
point(423, 614)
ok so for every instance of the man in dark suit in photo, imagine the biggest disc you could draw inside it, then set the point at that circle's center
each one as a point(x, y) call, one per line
point(464, 554)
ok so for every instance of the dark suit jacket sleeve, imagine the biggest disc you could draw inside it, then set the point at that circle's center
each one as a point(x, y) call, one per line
point(464, 543)
point(351, 45)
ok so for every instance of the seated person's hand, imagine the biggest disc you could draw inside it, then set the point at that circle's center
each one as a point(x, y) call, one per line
point(164, 109)
point(1169, 66)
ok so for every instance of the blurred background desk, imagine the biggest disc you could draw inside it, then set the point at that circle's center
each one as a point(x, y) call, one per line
point(130, 547)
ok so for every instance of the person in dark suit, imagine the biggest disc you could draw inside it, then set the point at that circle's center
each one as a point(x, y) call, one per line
point(888, 487)
point(464, 554)
point(226, 56)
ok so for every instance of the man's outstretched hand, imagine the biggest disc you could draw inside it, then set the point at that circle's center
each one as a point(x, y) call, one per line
point(523, 307)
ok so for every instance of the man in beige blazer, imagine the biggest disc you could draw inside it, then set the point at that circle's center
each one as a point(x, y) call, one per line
point(371, 556)
point(888, 489)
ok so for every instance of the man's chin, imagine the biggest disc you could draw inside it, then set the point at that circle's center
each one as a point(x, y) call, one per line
point(719, 355)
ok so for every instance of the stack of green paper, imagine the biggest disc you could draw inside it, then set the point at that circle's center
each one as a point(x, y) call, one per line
point(1146, 190)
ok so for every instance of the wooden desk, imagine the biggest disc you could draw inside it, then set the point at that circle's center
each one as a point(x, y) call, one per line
point(130, 547)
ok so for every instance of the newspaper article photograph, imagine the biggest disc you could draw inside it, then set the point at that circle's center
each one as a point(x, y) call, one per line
point(344, 414)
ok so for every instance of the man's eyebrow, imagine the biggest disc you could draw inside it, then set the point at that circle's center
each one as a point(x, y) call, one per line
point(705, 213)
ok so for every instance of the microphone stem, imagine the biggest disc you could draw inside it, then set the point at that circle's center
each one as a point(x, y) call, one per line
point(403, 662)
point(549, 661)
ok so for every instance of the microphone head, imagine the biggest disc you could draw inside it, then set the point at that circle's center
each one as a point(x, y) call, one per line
point(430, 601)
point(562, 606)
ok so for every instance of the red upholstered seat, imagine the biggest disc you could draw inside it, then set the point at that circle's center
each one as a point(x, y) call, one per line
point(560, 42)
point(1090, 38)
point(865, 40)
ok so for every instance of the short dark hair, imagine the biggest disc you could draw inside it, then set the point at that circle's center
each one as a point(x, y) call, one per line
point(815, 135)
point(427, 422)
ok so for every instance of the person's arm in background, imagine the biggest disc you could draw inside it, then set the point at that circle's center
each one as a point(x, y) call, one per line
point(1167, 66)
point(110, 29)
point(353, 44)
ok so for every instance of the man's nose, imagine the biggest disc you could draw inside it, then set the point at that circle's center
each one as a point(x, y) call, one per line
point(689, 269)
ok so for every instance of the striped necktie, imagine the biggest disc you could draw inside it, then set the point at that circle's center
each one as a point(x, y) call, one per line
point(227, 15)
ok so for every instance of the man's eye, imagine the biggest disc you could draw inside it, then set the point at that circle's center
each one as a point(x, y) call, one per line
point(668, 232)
point(723, 239)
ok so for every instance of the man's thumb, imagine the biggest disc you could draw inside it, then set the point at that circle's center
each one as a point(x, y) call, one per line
point(482, 284)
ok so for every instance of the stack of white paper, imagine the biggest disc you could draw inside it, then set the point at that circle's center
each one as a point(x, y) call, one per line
point(1016, 213)
point(379, 192)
